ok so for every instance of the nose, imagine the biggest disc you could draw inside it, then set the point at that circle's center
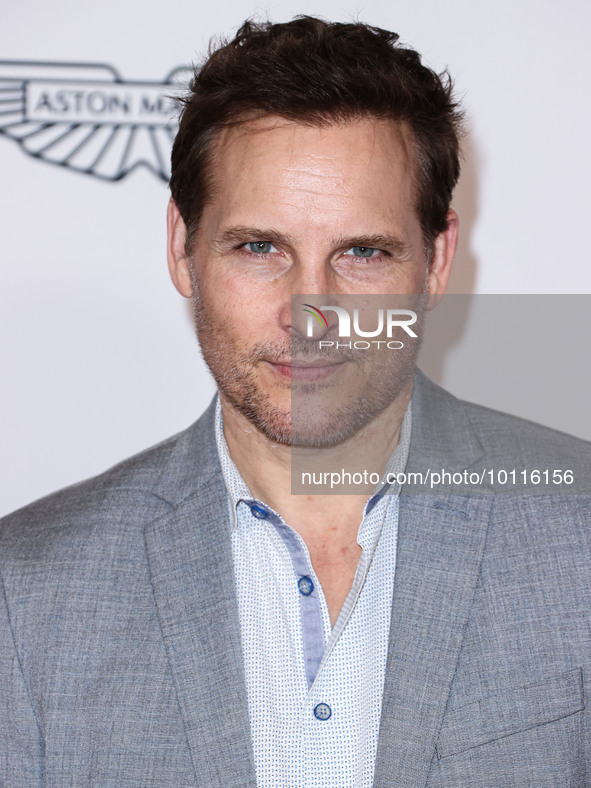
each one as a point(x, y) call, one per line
point(309, 287)
point(308, 318)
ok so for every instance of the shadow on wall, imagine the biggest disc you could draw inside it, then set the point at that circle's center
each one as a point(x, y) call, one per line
point(464, 273)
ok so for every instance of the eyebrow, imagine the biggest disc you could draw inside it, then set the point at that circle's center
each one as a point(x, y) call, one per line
point(389, 243)
point(239, 235)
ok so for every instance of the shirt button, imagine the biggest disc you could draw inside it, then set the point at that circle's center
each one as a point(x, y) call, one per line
point(259, 512)
point(305, 586)
point(322, 711)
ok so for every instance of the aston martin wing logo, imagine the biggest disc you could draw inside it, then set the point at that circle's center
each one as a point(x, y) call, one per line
point(83, 116)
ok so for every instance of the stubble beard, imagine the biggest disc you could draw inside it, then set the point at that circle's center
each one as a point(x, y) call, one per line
point(313, 421)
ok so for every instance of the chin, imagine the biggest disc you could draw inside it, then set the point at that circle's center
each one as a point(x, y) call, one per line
point(332, 429)
point(278, 425)
point(302, 431)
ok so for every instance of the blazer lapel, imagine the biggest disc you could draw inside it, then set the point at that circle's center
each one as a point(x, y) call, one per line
point(440, 545)
point(190, 560)
point(441, 541)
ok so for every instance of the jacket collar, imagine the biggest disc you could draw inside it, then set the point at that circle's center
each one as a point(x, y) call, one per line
point(193, 463)
point(443, 436)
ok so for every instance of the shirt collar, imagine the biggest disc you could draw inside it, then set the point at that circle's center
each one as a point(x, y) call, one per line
point(396, 464)
point(238, 490)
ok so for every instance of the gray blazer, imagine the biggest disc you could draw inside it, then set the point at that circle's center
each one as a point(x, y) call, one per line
point(120, 660)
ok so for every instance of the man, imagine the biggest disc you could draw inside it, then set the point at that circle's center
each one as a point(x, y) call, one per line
point(184, 619)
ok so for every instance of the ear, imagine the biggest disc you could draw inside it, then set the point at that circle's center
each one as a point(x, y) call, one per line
point(179, 265)
point(444, 249)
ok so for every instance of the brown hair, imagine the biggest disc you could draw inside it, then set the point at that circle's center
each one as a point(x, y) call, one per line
point(318, 72)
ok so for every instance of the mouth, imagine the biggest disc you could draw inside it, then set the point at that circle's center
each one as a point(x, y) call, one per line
point(306, 370)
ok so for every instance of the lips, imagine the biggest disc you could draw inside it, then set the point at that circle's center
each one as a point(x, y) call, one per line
point(306, 370)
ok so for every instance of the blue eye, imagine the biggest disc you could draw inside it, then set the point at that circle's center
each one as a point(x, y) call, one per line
point(362, 251)
point(260, 247)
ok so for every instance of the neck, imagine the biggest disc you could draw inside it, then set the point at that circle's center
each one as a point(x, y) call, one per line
point(272, 471)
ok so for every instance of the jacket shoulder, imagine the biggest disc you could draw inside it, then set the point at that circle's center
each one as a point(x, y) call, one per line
point(505, 453)
point(504, 436)
point(119, 500)
point(501, 434)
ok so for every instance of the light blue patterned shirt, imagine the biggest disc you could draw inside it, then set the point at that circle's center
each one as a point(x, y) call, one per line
point(314, 693)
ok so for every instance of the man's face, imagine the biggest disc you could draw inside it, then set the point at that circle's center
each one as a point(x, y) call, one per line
point(299, 209)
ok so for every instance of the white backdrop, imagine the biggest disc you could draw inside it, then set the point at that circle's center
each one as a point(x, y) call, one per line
point(98, 358)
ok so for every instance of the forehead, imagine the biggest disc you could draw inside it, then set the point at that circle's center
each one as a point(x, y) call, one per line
point(364, 145)
point(366, 130)
point(337, 172)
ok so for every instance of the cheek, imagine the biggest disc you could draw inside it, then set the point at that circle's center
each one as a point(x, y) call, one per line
point(221, 296)
point(237, 318)
point(229, 283)
point(243, 303)
point(418, 280)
